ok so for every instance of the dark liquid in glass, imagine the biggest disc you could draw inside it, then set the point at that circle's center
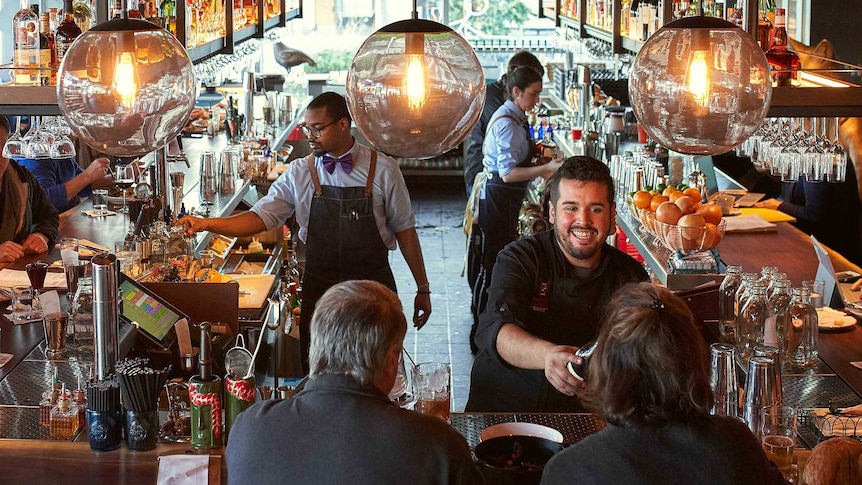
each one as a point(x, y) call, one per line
point(36, 272)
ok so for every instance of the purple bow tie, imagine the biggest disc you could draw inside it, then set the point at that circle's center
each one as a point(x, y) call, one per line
point(346, 163)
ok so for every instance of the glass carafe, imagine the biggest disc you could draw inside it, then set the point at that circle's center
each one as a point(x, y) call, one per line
point(751, 322)
point(779, 316)
point(802, 331)
point(727, 303)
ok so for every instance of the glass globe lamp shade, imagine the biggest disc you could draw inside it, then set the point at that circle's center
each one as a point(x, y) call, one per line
point(126, 87)
point(700, 86)
point(415, 89)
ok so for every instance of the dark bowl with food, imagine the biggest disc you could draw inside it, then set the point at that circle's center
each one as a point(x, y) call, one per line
point(515, 460)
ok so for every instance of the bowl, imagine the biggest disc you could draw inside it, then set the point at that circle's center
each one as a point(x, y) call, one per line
point(514, 460)
point(689, 239)
point(521, 429)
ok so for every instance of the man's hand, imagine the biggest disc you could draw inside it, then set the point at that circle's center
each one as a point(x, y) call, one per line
point(192, 225)
point(768, 204)
point(98, 173)
point(35, 244)
point(421, 309)
point(10, 251)
point(556, 372)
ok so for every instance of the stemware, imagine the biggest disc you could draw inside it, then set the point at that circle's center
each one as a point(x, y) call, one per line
point(838, 157)
point(15, 146)
point(124, 177)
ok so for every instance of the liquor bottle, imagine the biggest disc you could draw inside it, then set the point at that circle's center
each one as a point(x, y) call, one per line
point(802, 334)
point(764, 26)
point(26, 57)
point(751, 324)
point(118, 10)
point(66, 32)
point(64, 419)
point(727, 303)
point(781, 58)
point(47, 56)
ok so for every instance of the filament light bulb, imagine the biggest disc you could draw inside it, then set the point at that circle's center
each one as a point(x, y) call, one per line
point(126, 79)
point(698, 77)
point(414, 82)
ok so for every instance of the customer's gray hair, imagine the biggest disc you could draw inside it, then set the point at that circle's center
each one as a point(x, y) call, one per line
point(354, 325)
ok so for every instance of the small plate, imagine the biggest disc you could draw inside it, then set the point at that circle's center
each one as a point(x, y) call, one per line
point(521, 429)
point(829, 319)
point(733, 212)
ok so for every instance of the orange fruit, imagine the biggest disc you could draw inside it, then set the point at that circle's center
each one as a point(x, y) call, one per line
point(641, 199)
point(711, 213)
point(668, 191)
point(674, 196)
point(686, 204)
point(668, 213)
point(657, 201)
point(693, 193)
point(691, 226)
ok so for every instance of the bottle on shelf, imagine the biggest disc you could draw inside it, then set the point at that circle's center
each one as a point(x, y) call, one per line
point(784, 62)
point(47, 57)
point(25, 23)
point(66, 32)
point(764, 24)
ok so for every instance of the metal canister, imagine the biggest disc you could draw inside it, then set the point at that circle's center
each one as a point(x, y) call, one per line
point(239, 395)
point(206, 404)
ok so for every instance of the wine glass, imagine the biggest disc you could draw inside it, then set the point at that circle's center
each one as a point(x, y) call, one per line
point(14, 147)
point(838, 157)
point(36, 273)
point(124, 177)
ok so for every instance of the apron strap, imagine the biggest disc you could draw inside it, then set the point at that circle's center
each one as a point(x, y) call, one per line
point(314, 178)
point(371, 169)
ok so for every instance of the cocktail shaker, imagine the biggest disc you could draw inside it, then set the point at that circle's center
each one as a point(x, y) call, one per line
point(105, 315)
point(759, 391)
point(205, 396)
point(722, 380)
point(209, 177)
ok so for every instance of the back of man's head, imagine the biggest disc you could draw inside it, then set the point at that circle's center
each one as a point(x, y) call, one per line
point(525, 59)
point(334, 103)
point(355, 325)
point(582, 169)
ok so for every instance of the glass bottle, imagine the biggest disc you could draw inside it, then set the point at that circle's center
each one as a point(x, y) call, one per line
point(66, 32)
point(741, 292)
point(781, 58)
point(25, 24)
point(802, 331)
point(81, 318)
point(779, 316)
point(764, 26)
point(727, 303)
point(752, 321)
point(64, 419)
point(47, 56)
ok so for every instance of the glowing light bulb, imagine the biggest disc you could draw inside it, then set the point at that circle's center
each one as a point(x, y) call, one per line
point(697, 77)
point(126, 79)
point(414, 82)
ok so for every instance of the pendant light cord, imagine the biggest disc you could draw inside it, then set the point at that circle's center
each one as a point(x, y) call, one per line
point(415, 11)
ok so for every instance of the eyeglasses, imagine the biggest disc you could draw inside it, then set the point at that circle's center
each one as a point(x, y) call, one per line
point(315, 132)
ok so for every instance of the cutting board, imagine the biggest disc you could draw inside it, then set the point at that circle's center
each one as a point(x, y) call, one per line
point(253, 289)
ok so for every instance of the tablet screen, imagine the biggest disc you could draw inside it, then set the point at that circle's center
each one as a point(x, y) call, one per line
point(151, 314)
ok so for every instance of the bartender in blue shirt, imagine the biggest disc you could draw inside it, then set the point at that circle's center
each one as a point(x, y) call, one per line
point(508, 155)
point(352, 207)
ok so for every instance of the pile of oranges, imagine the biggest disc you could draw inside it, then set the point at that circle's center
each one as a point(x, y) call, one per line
point(678, 219)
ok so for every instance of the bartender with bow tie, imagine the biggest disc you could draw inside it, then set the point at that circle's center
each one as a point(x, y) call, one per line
point(352, 207)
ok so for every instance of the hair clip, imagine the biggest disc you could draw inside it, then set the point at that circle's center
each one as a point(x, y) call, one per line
point(657, 304)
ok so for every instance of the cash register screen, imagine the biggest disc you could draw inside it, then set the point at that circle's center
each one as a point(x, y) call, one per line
point(152, 314)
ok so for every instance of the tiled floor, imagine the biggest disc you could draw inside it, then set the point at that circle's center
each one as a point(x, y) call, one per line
point(439, 207)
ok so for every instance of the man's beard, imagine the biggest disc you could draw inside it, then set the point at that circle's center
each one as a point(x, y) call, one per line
point(563, 238)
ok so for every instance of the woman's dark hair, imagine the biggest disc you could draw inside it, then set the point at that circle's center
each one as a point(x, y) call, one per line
point(582, 169)
point(650, 367)
point(521, 77)
point(525, 59)
point(335, 104)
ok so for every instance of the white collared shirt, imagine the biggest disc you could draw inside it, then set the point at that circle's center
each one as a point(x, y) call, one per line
point(293, 191)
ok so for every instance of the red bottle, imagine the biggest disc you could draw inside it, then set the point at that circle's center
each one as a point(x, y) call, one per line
point(785, 63)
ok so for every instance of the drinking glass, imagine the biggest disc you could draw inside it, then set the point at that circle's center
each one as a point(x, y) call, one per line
point(722, 380)
point(817, 287)
point(23, 304)
point(100, 202)
point(431, 385)
point(124, 177)
point(778, 435)
point(15, 146)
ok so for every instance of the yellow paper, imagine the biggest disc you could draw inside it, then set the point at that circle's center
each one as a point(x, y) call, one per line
point(770, 215)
